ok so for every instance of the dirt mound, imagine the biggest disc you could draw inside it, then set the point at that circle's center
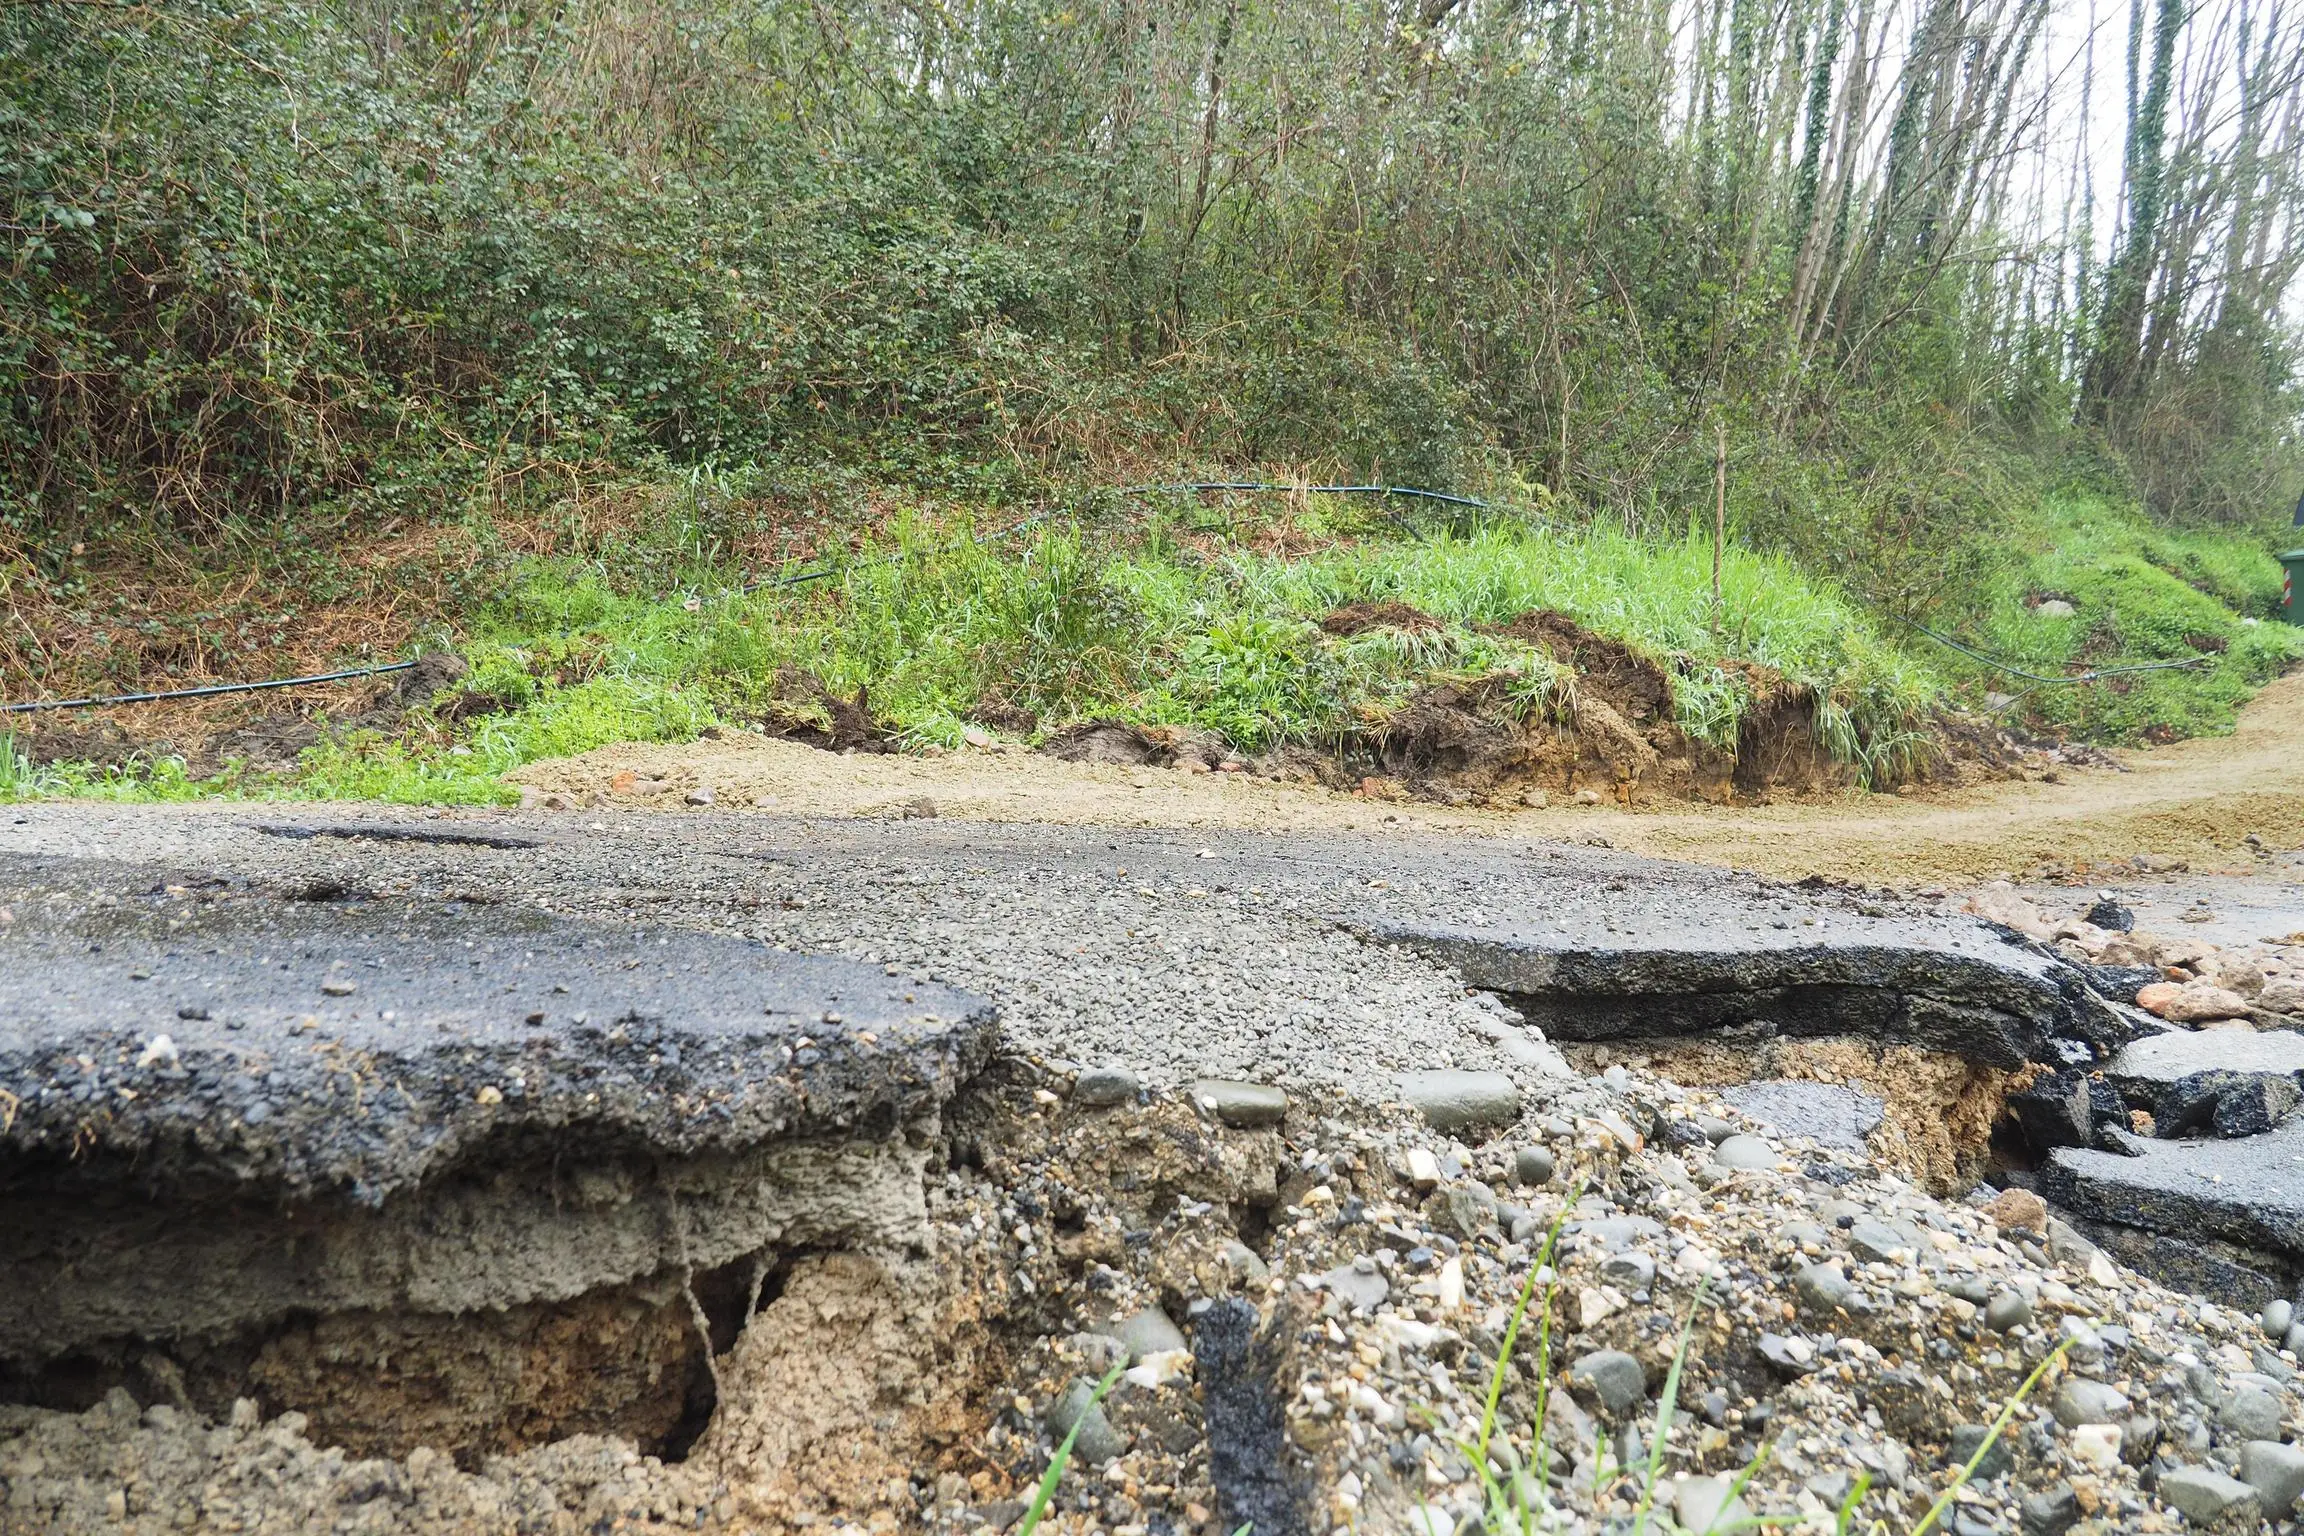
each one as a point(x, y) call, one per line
point(1631, 684)
point(1776, 742)
point(1118, 743)
point(1355, 618)
point(1609, 729)
point(802, 708)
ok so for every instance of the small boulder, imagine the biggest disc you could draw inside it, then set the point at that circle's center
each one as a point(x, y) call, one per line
point(1612, 1378)
point(1705, 1504)
point(2276, 1472)
point(1359, 1284)
point(2050, 1512)
point(2209, 1499)
point(2080, 1401)
point(2202, 1002)
point(1967, 1439)
point(1533, 1165)
point(1240, 1105)
point(1101, 1087)
point(1821, 1287)
point(2018, 1210)
point(2250, 1413)
point(2006, 1310)
point(1461, 1101)
point(1148, 1332)
point(1744, 1152)
point(1077, 1413)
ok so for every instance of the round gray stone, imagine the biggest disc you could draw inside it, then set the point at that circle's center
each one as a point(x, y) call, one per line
point(1100, 1087)
point(2009, 1309)
point(2277, 1318)
point(1533, 1165)
point(1240, 1105)
point(1097, 1441)
point(1613, 1377)
point(1460, 1101)
point(1744, 1152)
point(2080, 1401)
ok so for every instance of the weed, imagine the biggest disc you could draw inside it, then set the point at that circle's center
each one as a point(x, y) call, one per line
point(1046, 1490)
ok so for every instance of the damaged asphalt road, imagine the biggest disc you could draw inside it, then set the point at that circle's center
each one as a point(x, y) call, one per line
point(377, 1122)
point(1330, 960)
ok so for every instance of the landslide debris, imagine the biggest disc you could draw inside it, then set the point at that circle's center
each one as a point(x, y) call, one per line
point(1341, 1284)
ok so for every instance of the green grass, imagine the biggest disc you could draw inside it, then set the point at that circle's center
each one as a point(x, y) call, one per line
point(1161, 620)
point(1075, 625)
point(1517, 1506)
point(2139, 593)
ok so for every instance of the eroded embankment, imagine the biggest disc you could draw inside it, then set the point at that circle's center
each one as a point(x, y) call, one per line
point(434, 1174)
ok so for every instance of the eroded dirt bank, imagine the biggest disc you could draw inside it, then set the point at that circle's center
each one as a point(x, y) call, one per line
point(2198, 802)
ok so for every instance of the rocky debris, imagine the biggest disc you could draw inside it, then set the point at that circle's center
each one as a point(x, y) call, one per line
point(2070, 1108)
point(1303, 1408)
point(2143, 1069)
point(1936, 983)
point(2230, 1104)
point(1046, 1220)
point(2233, 1205)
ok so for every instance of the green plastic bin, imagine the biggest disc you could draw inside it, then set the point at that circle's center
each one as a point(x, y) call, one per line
point(2291, 597)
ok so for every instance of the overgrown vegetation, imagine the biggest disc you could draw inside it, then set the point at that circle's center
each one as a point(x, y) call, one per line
point(288, 281)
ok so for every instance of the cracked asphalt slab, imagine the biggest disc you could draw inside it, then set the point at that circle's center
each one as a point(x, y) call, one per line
point(190, 1030)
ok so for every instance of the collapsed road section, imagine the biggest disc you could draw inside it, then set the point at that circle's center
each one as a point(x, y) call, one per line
point(432, 1173)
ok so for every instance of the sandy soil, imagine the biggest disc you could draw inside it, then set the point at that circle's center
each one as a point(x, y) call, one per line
point(2196, 801)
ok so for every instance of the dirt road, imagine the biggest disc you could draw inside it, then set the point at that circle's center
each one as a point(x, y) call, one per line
point(2196, 801)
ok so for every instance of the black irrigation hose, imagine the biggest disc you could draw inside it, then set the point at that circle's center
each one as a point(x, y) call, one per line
point(2035, 677)
point(1321, 490)
point(210, 691)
